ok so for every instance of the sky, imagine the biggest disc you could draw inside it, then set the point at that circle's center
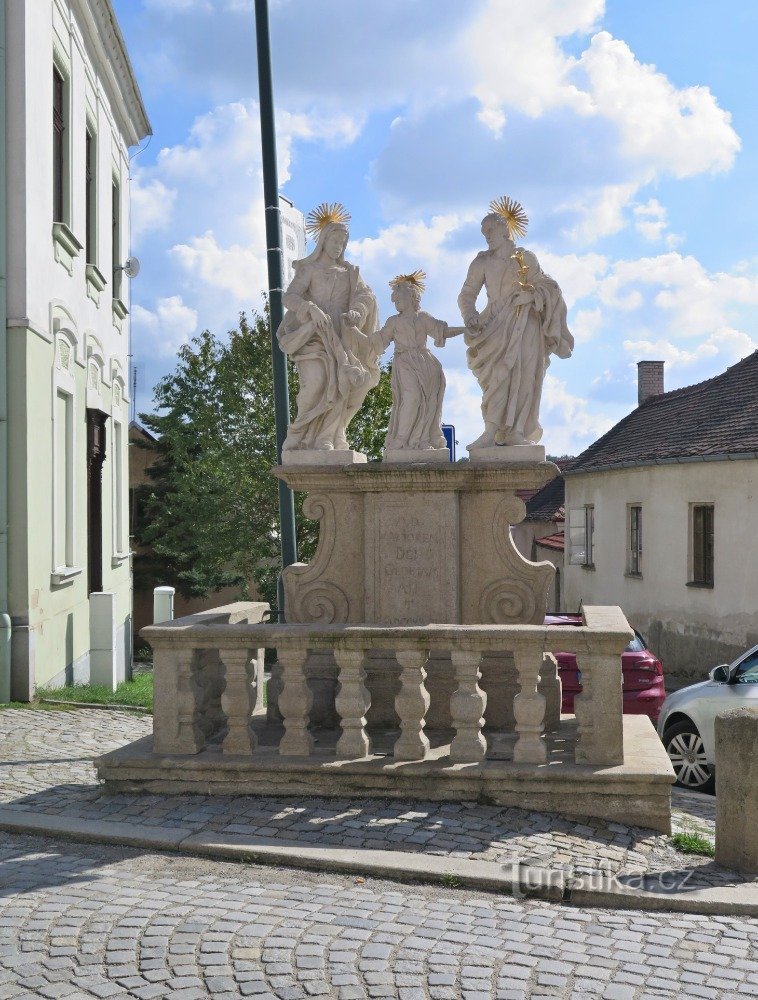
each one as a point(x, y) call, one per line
point(627, 131)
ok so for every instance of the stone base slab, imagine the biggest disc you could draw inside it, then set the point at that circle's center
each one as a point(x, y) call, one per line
point(313, 456)
point(508, 453)
point(435, 455)
point(635, 793)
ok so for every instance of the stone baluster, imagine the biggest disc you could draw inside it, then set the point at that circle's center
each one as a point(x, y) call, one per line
point(352, 703)
point(529, 707)
point(295, 703)
point(411, 704)
point(238, 699)
point(550, 686)
point(599, 710)
point(177, 700)
point(467, 705)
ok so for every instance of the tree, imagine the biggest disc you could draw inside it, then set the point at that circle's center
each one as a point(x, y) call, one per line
point(209, 517)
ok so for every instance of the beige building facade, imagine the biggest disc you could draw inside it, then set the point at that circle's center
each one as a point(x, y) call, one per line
point(660, 515)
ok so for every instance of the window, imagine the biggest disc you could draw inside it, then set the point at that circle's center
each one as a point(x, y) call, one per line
point(64, 437)
point(119, 534)
point(634, 551)
point(90, 203)
point(581, 535)
point(63, 555)
point(747, 671)
point(60, 159)
point(116, 231)
point(702, 544)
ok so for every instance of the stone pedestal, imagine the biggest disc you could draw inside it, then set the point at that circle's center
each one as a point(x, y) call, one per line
point(403, 544)
point(530, 453)
point(407, 544)
point(434, 455)
point(309, 457)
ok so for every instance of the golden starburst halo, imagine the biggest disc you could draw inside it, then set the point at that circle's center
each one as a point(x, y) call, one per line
point(513, 213)
point(325, 213)
point(415, 278)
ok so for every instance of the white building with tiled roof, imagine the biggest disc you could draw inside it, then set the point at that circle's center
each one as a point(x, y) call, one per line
point(660, 514)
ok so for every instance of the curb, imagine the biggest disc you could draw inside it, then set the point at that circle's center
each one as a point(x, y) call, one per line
point(517, 879)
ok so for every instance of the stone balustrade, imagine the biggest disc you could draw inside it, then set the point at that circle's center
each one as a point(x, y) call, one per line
point(208, 679)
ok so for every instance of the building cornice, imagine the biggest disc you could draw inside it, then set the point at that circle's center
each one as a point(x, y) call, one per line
point(98, 19)
point(738, 456)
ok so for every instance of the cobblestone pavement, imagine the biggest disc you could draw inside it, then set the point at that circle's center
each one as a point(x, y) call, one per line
point(45, 767)
point(82, 921)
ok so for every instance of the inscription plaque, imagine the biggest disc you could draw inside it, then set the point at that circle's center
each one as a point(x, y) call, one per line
point(412, 564)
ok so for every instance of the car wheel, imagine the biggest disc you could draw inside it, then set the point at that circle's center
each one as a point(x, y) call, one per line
point(684, 745)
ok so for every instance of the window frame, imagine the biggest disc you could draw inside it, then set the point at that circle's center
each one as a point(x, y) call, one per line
point(116, 237)
point(634, 539)
point(586, 524)
point(61, 142)
point(702, 550)
point(64, 386)
point(90, 194)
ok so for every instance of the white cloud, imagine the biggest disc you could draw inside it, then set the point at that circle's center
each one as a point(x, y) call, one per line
point(727, 344)
point(682, 132)
point(516, 58)
point(585, 324)
point(650, 221)
point(235, 269)
point(152, 206)
point(569, 422)
point(163, 330)
point(693, 301)
point(601, 211)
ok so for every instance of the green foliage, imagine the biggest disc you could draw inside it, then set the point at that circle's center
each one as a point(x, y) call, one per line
point(450, 880)
point(138, 691)
point(693, 843)
point(210, 514)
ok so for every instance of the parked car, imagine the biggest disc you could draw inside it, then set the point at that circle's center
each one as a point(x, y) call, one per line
point(642, 672)
point(687, 720)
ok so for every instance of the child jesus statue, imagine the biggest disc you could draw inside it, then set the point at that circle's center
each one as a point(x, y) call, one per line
point(418, 382)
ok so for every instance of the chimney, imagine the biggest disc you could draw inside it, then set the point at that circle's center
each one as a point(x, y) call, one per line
point(649, 380)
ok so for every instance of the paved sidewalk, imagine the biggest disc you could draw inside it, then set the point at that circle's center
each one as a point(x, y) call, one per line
point(46, 771)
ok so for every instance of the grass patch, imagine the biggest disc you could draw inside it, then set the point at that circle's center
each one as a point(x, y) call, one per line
point(450, 880)
point(693, 843)
point(138, 691)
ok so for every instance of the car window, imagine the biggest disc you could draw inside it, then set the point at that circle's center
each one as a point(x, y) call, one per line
point(747, 672)
point(637, 645)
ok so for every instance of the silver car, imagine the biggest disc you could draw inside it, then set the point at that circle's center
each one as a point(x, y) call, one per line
point(687, 720)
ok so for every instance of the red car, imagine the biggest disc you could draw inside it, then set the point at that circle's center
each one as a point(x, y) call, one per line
point(644, 692)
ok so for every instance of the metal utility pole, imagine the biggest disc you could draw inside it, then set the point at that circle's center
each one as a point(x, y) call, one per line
point(275, 279)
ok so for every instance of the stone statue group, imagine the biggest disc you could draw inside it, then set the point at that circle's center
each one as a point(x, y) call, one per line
point(331, 331)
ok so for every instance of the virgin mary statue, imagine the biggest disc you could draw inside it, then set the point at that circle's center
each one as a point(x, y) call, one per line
point(330, 313)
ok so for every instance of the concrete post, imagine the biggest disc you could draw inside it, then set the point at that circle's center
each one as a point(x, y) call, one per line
point(737, 789)
point(163, 605)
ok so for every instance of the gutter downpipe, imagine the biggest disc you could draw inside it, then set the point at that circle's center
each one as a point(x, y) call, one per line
point(5, 622)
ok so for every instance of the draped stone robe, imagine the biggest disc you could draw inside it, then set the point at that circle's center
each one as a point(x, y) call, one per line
point(510, 355)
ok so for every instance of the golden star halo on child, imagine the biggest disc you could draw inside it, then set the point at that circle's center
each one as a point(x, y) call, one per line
point(415, 278)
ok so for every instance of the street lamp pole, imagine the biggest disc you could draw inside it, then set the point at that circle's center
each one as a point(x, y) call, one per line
point(275, 281)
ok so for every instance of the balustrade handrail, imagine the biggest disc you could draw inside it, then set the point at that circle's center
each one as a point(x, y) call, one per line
point(603, 631)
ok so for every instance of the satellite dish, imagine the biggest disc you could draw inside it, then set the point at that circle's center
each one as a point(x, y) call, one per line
point(131, 267)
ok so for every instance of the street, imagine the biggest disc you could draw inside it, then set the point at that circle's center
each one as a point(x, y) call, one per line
point(83, 921)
